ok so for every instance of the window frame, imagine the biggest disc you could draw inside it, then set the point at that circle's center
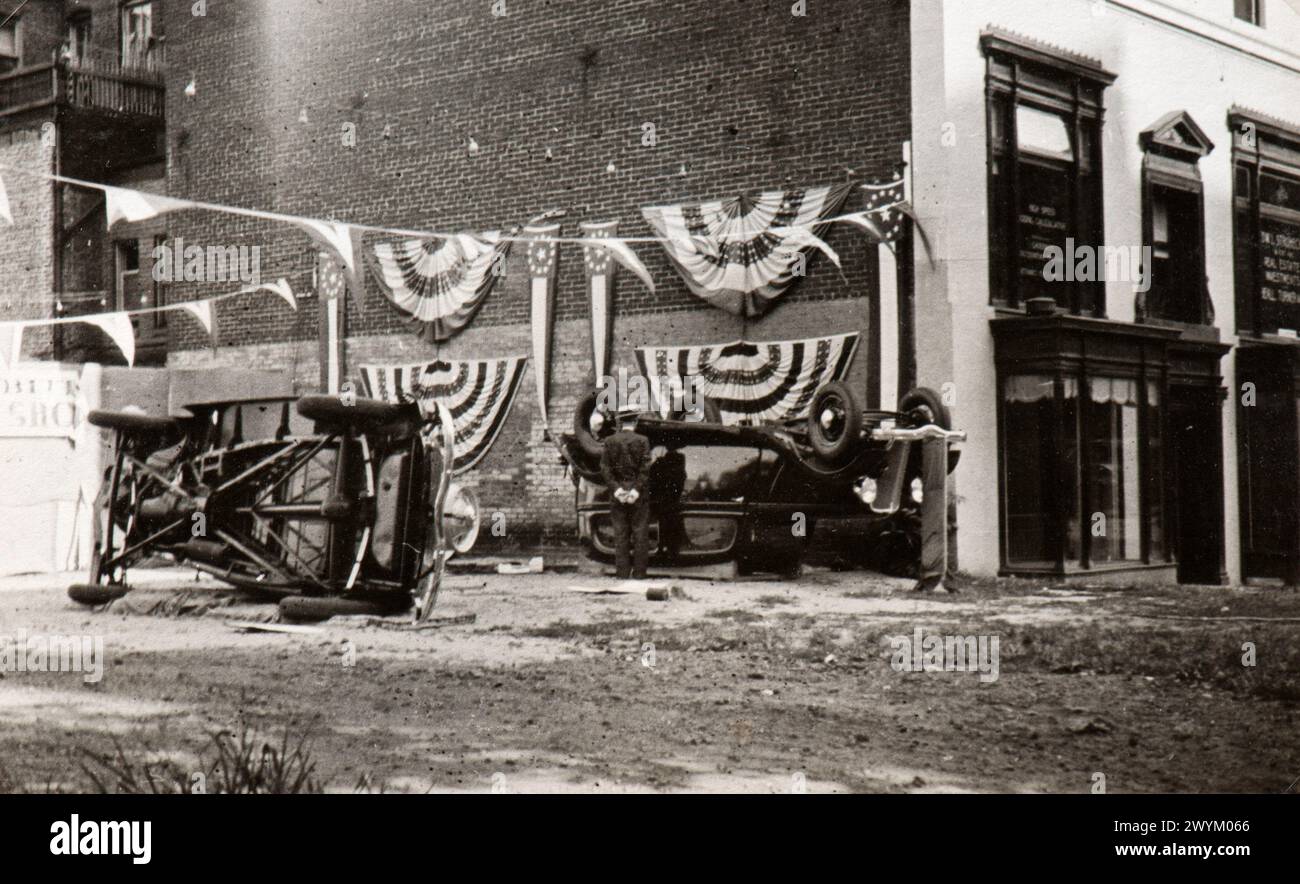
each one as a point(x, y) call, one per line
point(1261, 146)
point(1171, 161)
point(1019, 73)
point(1254, 15)
point(17, 24)
point(141, 59)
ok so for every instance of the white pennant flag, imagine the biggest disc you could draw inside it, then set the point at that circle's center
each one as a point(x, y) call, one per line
point(281, 288)
point(118, 327)
point(5, 214)
point(202, 311)
point(803, 236)
point(337, 237)
point(121, 204)
point(11, 343)
point(623, 255)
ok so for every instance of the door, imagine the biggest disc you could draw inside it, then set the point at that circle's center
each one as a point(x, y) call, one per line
point(1196, 462)
point(1269, 462)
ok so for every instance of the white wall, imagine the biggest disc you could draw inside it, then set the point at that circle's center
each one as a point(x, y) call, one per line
point(1169, 55)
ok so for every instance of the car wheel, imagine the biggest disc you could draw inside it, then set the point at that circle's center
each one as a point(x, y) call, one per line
point(926, 407)
point(582, 432)
point(834, 423)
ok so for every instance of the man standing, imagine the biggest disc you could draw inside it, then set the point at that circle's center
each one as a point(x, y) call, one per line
point(625, 464)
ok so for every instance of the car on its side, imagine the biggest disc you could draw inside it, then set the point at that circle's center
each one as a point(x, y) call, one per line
point(752, 495)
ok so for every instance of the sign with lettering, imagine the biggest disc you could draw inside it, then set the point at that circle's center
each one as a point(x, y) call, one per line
point(1279, 273)
point(40, 400)
point(1044, 219)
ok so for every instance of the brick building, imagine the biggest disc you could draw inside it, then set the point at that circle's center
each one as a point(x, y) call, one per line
point(741, 96)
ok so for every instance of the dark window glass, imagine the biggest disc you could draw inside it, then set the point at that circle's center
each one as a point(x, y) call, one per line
point(1177, 267)
point(1033, 466)
point(1249, 10)
point(720, 473)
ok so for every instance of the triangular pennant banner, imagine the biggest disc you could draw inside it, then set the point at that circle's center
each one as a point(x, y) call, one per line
point(6, 214)
point(118, 327)
point(542, 270)
point(202, 311)
point(281, 288)
point(601, 273)
point(11, 343)
point(121, 204)
point(335, 237)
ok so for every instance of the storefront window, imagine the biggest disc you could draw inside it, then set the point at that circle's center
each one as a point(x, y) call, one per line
point(1040, 425)
point(1048, 477)
point(1111, 425)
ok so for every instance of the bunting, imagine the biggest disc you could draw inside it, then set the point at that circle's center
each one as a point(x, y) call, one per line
point(478, 392)
point(11, 344)
point(600, 290)
point(440, 284)
point(119, 328)
point(542, 269)
point(741, 254)
point(332, 289)
point(751, 383)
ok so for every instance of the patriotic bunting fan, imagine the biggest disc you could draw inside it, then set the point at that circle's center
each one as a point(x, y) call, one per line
point(478, 392)
point(440, 283)
point(741, 254)
point(752, 383)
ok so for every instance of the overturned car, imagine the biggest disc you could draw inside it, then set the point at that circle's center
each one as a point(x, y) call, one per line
point(752, 494)
point(331, 504)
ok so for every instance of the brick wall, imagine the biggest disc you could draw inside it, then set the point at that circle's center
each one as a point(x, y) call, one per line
point(742, 95)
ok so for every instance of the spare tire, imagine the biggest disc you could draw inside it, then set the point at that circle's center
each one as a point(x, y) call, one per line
point(96, 593)
point(582, 432)
point(130, 421)
point(317, 608)
point(927, 407)
point(834, 423)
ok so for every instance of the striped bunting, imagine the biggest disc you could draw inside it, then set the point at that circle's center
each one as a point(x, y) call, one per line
point(441, 284)
point(741, 254)
point(751, 383)
point(478, 392)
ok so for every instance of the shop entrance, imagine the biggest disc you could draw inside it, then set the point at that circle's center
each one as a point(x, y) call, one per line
point(1269, 461)
point(1196, 477)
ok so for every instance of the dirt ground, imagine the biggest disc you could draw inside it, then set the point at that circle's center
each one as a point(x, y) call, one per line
point(762, 686)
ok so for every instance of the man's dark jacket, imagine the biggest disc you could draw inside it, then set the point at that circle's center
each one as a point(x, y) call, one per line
point(625, 461)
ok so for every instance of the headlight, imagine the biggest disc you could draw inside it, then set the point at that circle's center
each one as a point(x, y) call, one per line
point(866, 490)
point(918, 490)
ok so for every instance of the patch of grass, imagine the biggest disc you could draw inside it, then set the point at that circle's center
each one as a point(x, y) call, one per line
point(566, 629)
point(772, 600)
point(735, 615)
point(242, 762)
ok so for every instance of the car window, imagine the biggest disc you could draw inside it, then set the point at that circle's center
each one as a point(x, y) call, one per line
point(720, 472)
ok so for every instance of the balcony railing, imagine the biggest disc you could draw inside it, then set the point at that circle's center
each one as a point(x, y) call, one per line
point(135, 91)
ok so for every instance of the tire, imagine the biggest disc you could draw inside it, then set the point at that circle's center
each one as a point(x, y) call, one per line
point(129, 421)
point(586, 439)
point(95, 594)
point(927, 406)
point(834, 423)
point(364, 414)
point(317, 608)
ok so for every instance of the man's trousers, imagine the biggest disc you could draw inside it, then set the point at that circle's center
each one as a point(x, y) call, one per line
point(631, 525)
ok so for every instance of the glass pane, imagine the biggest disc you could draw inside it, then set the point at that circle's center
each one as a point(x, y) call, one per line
point(9, 40)
point(1043, 133)
point(719, 473)
point(1111, 430)
point(1155, 474)
point(1032, 466)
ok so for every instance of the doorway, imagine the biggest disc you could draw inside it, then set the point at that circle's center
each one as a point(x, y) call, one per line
point(1196, 477)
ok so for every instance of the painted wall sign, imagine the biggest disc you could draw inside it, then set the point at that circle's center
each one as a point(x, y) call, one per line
point(40, 400)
